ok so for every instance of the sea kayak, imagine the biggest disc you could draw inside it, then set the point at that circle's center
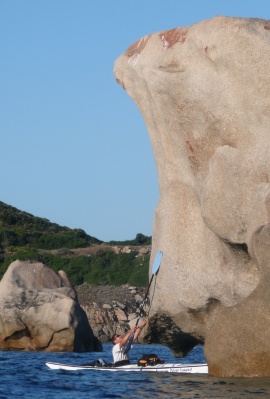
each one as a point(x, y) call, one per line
point(166, 367)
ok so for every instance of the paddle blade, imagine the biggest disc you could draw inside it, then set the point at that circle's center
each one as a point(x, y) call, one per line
point(129, 343)
point(157, 262)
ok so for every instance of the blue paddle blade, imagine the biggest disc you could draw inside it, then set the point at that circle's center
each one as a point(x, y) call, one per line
point(157, 262)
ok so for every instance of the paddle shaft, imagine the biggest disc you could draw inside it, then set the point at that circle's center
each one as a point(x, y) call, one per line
point(130, 340)
point(148, 287)
point(154, 272)
point(155, 269)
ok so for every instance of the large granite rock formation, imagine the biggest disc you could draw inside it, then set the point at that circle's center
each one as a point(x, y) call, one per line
point(203, 91)
point(39, 310)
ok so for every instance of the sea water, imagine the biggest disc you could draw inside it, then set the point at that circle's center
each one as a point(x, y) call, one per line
point(25, 375)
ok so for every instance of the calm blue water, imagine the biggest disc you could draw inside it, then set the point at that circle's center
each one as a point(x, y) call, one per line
point(24, 375)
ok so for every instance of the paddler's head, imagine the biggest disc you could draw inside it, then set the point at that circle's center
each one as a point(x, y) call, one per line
point(116, 338)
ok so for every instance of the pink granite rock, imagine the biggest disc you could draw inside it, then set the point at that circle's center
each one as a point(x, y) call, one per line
point(203, 91)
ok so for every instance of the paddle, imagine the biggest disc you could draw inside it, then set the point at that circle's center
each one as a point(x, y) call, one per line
point(155, 269)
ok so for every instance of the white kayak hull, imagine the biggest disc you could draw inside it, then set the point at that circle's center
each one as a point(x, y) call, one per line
point(168, 367)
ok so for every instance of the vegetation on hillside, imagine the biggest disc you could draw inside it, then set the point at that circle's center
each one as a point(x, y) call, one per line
point(27, 237)
point(19, 228)
point(103, 268)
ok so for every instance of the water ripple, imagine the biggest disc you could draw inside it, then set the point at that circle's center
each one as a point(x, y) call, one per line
point(24, 375)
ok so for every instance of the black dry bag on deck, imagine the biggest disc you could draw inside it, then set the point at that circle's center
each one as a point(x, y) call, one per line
point(149, 360)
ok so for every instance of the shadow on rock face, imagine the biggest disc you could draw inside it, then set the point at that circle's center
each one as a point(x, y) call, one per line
point(238, 344)
point(162, 330)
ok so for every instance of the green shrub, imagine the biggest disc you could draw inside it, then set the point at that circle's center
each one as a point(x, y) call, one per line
point(140, 239)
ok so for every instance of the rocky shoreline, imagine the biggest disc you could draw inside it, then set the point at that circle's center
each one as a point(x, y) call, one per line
point(110, 309)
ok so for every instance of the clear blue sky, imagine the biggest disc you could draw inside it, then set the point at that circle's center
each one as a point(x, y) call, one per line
point(74, 147)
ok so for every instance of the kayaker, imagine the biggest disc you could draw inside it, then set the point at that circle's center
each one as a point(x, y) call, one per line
point(119, 341)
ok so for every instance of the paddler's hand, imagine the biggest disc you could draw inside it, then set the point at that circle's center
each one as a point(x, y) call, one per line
point(143, 323)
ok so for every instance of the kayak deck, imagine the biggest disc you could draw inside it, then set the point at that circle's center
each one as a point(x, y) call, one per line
point(169, 368)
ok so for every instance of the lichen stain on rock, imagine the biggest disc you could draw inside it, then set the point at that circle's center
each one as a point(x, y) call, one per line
point(173, 36)
point(120, 83)
point(138, 46)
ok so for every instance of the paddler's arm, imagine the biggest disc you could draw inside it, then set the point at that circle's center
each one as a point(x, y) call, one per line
point(138, 329)
point(126, 337)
